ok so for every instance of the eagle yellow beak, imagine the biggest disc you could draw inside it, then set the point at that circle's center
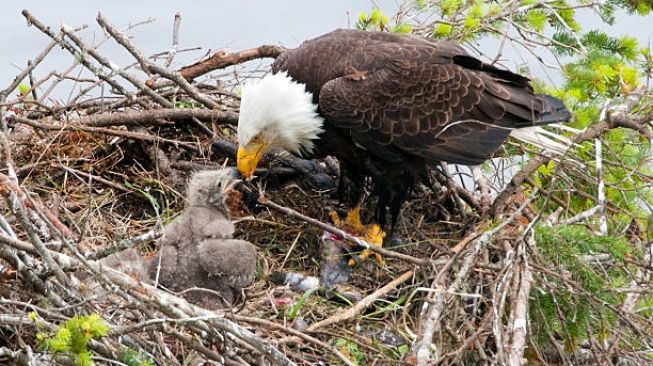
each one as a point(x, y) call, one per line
point(248, 158)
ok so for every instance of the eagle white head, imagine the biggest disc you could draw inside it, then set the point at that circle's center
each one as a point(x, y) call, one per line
point(275, 112)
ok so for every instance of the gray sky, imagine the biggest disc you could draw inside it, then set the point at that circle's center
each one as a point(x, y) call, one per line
point(211, 24)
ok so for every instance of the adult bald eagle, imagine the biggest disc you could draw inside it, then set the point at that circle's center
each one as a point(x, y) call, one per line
point(385, 105)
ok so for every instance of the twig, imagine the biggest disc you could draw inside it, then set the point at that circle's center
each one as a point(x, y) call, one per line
point(221, 59)
point(19, 78)
point(83, 59)
point(483, 188)
point(643, 276)
point(152, 67)
point(96, 178)
point(13, 196)
point(519, 307)
point(603, 220)
point(125, 244)
point(103, 131)
point(363, 304)
point(581, 216)
point(114, 68)
point(175, 40)
point(359, 307)
point(306, 337)
point(152, 115)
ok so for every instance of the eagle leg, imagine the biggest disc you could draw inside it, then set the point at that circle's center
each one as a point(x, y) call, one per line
point(353, 220)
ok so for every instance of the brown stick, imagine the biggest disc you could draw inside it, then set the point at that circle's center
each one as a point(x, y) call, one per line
point(363, 304)
point(96, 178)
point(151, 67)
point(150, 116)
point(105, 131)
point(352, 311)
point(296, 333)
point(221, 59)
point(517, 328)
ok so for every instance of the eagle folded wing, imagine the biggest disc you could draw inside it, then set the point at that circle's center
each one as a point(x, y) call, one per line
point(450, 108)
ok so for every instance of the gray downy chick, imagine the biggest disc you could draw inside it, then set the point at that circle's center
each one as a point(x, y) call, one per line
point(132, 263)
point(198, 249)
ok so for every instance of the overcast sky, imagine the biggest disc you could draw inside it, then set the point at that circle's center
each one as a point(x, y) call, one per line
point(211, 24)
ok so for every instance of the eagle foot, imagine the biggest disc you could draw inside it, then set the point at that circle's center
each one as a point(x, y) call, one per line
point(372, 234)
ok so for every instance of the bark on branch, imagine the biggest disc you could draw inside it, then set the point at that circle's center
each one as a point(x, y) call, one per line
point(222, 59)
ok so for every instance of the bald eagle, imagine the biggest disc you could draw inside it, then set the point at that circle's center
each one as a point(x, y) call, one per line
point(386, 106)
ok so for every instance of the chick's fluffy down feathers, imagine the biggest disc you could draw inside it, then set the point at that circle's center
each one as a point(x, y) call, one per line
point(197, 248)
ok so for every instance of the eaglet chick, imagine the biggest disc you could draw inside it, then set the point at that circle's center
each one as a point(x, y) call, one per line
point(198, 249)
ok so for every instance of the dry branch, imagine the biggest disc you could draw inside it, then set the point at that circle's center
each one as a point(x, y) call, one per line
point(222, 59)
point(517, 329)
point(102, 131)
point(152, 116)
point(154, 68)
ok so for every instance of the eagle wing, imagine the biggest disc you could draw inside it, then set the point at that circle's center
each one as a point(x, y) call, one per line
point(432, 100)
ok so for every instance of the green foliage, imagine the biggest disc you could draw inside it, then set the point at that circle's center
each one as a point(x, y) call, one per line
point(607, 69)
point(350, 350)
point(566, 14)
point(442, 30)
point(23, 89)
point(564, 310)
point(295, 309)
point(72, 338)
point(536, 19)
point(473, 20)
point(375, 20)
point(449, 7)
point(187, 104)
point(403, 28)
point(134, 358)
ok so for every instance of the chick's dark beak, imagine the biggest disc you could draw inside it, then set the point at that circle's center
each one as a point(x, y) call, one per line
point(227, 182)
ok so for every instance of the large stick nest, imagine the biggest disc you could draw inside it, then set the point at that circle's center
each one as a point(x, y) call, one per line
point(97, 161)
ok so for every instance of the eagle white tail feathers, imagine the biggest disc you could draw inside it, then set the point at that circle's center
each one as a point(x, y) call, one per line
point(550, 142)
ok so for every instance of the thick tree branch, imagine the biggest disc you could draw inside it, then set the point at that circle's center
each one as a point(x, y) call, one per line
point(222, 59)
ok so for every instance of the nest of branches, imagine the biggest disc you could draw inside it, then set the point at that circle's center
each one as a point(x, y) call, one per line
point(107, 168)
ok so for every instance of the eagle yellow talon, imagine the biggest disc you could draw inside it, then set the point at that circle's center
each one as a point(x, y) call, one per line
point(371, 233)
point(333, 216)
point(373, 236)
